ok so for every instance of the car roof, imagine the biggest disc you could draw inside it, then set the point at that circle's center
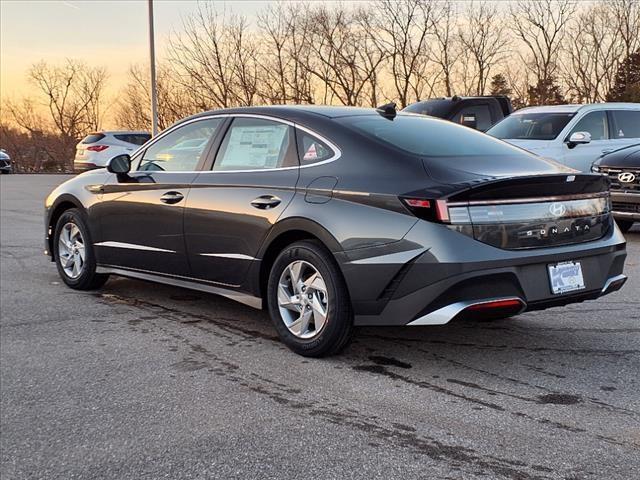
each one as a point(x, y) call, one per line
point(122, 132)
point(573, 108)
point(286, 111)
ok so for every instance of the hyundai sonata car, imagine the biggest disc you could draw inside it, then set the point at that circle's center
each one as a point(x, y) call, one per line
point(335, 217)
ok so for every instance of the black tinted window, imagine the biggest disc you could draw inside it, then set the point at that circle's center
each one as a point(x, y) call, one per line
point(481, 114)
point(311, 149)
point(627, 123)
point(595, 123)
point(531, 126)
point(93, 138)
point(254, 144)
point(173, 152)
point(135, 138)
point(429, 137)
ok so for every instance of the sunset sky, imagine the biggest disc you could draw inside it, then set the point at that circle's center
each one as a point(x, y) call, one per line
point(103, 33)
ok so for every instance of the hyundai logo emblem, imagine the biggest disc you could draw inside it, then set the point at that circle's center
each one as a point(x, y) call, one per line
point(626, 177)
point(557, 209)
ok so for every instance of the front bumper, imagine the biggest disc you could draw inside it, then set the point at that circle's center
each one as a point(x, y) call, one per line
point(626, 206)
point(455, 272)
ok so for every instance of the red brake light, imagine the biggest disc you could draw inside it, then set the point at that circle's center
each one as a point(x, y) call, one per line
point(97, 148)
point(427, 209)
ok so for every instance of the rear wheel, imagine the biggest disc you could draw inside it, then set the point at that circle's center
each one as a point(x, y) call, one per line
point(624, 225)
point(74, 253)
point(308, 300)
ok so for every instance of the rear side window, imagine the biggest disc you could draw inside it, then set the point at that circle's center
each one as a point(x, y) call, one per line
point(311, 149)
point(135, 138)
point(255, 144)
point(93, 138)
point(429, 137)
point(481, 113)
point(595, 123)
point(626, 123)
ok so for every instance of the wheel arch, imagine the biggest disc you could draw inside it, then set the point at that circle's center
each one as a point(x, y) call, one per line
point(62, 204)
point(285, 233)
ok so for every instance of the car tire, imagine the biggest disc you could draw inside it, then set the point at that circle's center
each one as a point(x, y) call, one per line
point(624, 225)
point(323, 303)
point(76, 272)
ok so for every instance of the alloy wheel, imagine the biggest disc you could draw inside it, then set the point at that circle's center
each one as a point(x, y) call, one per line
point(302, 299)
point(71, 250)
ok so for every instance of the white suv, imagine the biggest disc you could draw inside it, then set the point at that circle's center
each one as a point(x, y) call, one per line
point(574, 135)
point(96, 149)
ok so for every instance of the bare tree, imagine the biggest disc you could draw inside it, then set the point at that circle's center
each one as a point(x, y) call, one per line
point(446, 51)
point(592, 54)
point(484, 39)
point(401, 28)
point(345, 59)
point(540, 25)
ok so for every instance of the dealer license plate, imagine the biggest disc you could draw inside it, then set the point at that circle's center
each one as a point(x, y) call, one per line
point(566, 277)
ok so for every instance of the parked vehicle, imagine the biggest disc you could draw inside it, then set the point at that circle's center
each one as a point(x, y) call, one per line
point(5, 162)
point(574, 135)
point(474, 112)
point(334, 217)
point(96, 149)
point(623, 168)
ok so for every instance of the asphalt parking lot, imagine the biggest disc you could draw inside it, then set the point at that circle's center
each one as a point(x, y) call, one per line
point(142, 381)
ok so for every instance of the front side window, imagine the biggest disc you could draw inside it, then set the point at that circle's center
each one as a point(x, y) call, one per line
point(255, 144)
point(311, 149)
point(595, 123)
point(627, 123)
point(180, 150)
point(531, 126)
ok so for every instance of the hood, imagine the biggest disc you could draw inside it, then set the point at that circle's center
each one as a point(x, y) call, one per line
point(530, 145)
point(628, 157)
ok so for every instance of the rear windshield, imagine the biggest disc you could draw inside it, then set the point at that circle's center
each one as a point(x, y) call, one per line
point(428, 137)
point(93, 138)
point(135, 138)
point(531, 126)
point(436, 108)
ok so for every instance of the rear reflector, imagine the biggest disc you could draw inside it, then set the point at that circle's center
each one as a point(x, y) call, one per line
point(97, 148)
point(511, 303)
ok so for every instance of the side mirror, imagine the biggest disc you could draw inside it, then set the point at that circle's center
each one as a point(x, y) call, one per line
point(469, 120)
point(579, 138)
point(120, 164)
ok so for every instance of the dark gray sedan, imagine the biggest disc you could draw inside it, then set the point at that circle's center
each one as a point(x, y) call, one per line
point(338, 217)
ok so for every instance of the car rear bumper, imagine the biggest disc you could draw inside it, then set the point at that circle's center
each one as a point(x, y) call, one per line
point(626, 206)
point(84, 166)
point(442, 282)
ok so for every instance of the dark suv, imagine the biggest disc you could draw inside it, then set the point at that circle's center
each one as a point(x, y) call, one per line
point(623, 168)
point(334, 217)
point(479, 113)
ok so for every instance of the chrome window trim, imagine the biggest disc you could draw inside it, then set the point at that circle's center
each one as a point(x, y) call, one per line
point(337, 152)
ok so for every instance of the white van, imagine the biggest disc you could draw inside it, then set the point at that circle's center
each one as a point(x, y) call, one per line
point(574, 135)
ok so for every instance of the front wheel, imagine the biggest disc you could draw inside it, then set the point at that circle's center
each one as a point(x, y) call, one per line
point(74, 253)
point(308, 300)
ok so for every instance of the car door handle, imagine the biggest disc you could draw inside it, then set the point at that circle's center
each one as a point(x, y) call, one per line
point(171, 197)
point(265, 202)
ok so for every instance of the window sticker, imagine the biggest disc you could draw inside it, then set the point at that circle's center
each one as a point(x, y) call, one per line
point(255, 146)
point(311, 154)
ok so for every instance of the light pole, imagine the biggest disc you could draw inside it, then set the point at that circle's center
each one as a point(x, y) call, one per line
point(152, 64)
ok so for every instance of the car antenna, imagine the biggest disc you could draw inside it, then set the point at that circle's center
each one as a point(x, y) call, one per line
point(387, 110)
